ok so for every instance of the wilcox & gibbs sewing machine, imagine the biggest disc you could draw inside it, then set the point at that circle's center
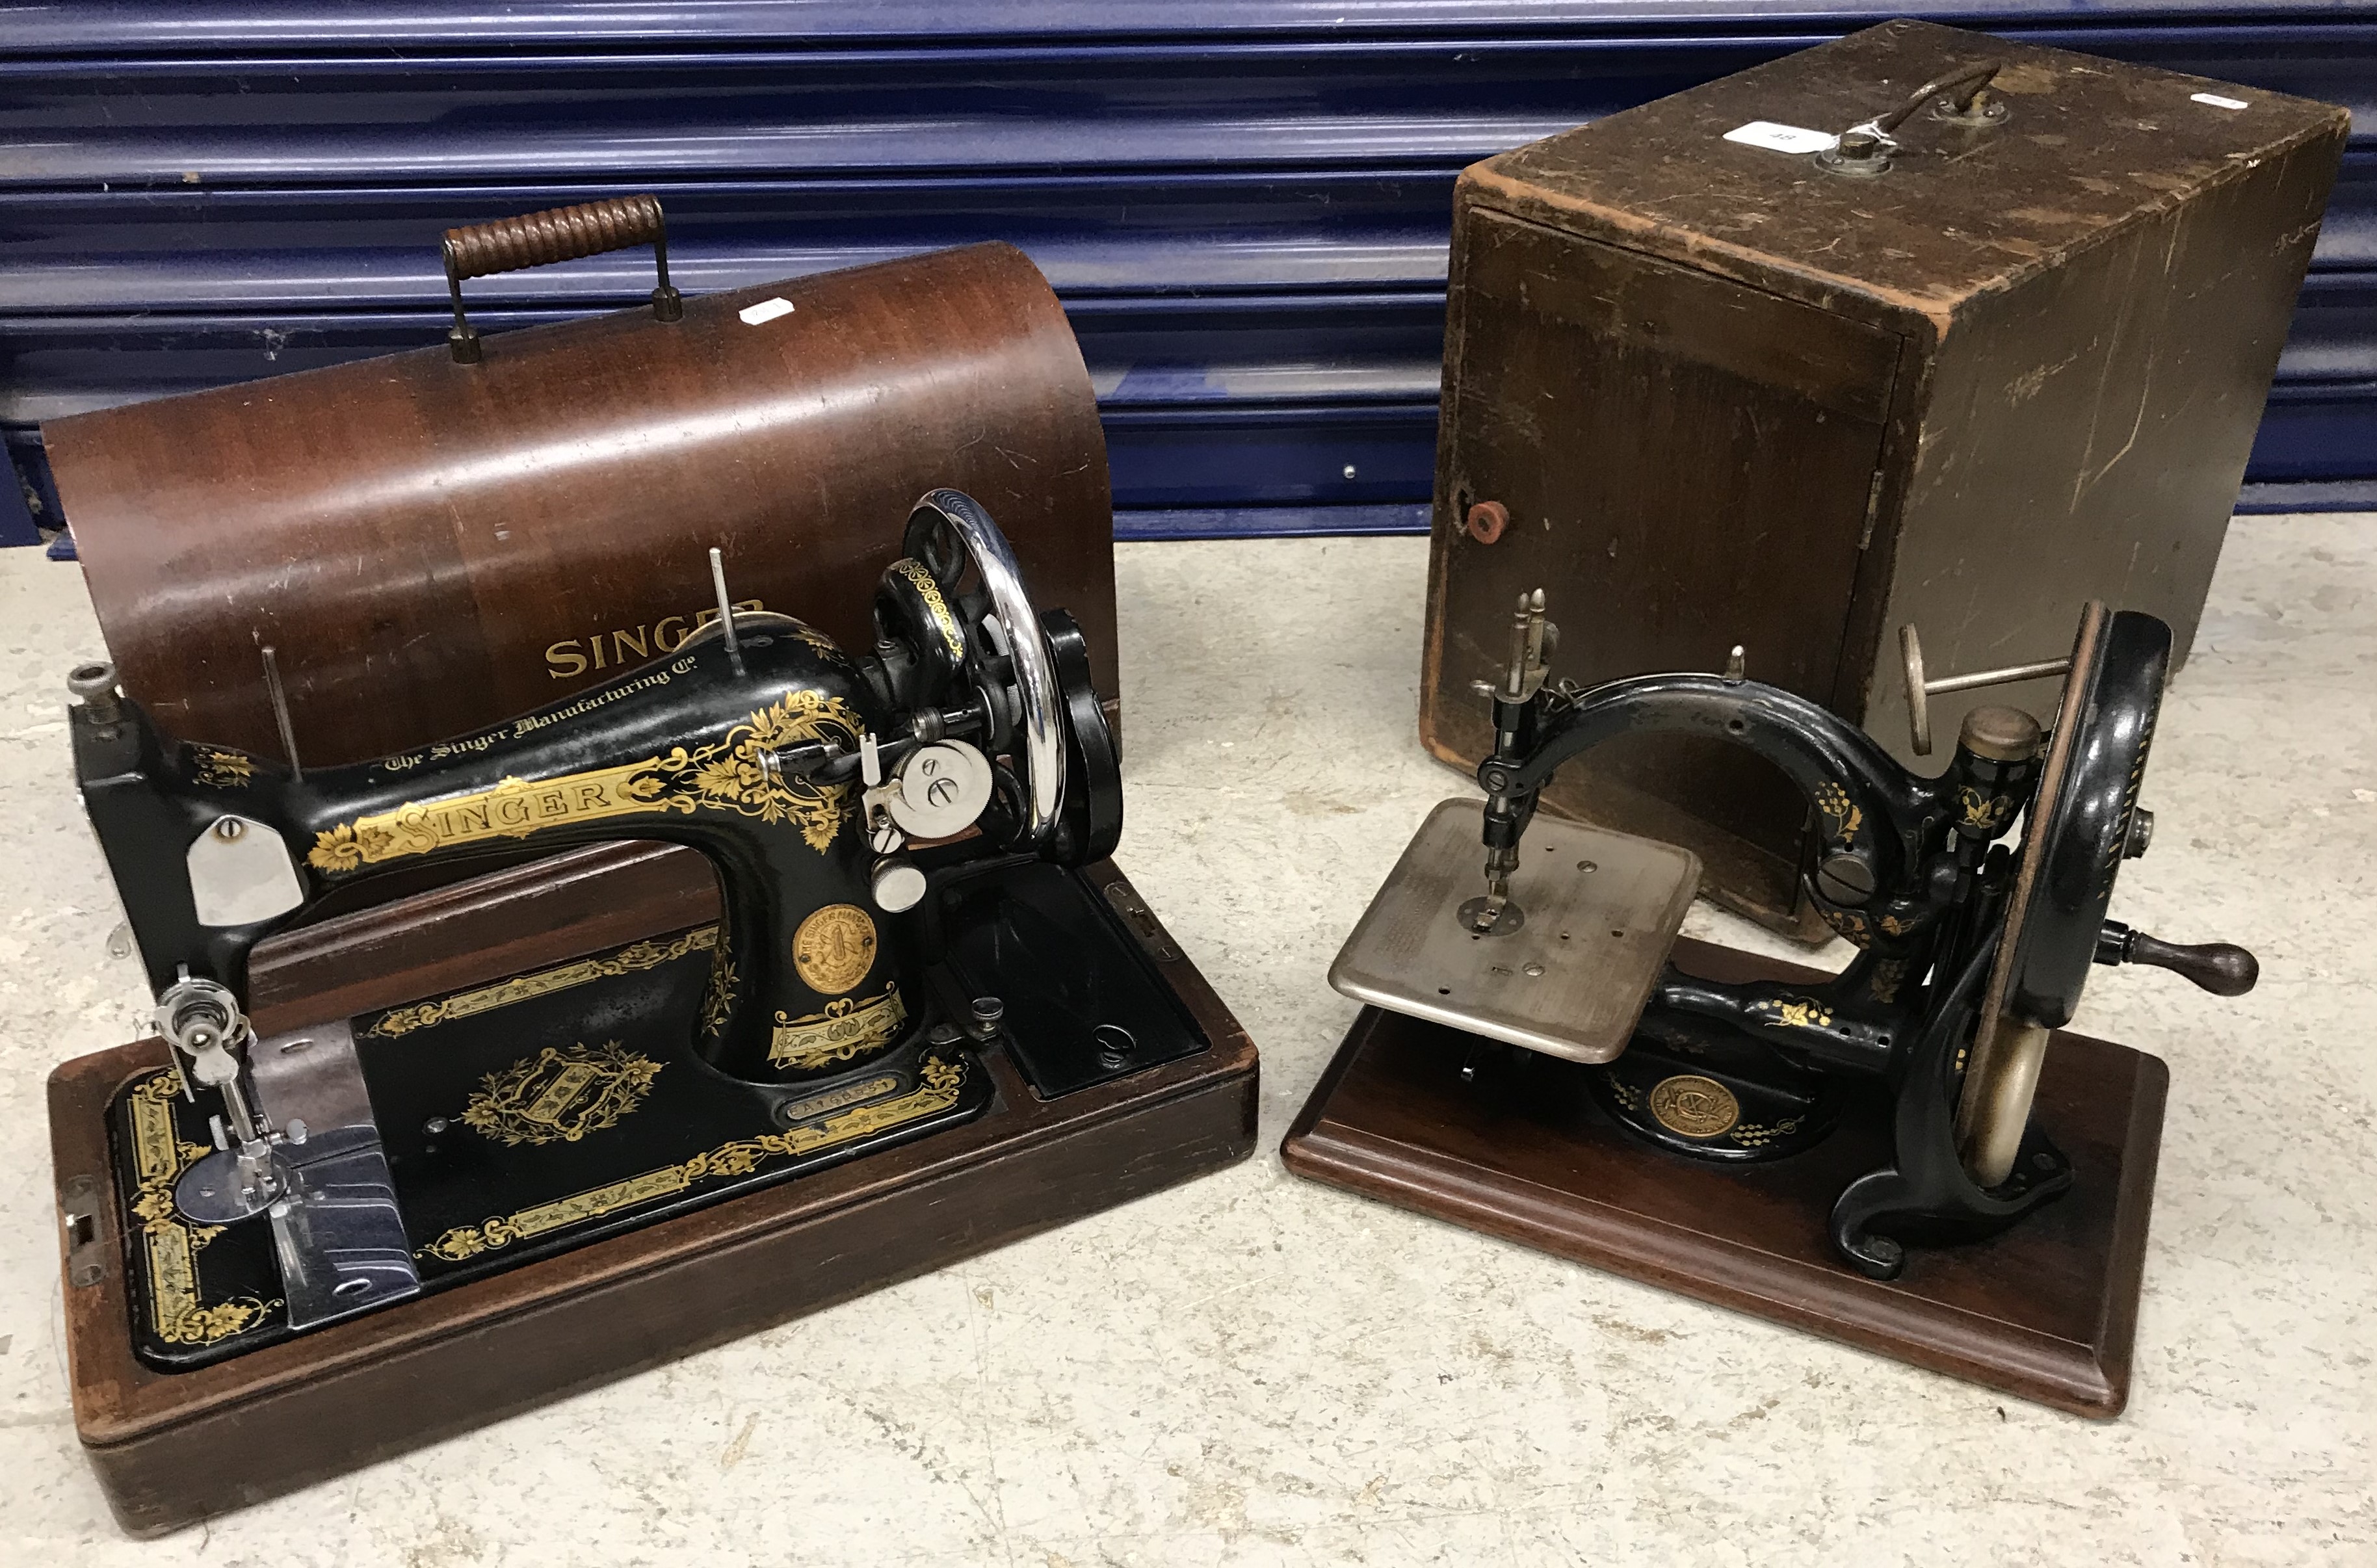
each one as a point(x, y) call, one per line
point(926, 1018)
point(1892, 1154)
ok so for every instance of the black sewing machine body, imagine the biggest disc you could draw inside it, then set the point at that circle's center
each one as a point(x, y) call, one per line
point(1971, 951)
point(898, 840)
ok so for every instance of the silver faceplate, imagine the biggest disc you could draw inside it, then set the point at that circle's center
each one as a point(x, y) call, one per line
point(1570, 981)
point(337, 1234)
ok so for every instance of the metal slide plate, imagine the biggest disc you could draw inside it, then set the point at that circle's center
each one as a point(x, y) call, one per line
point(1571, 981)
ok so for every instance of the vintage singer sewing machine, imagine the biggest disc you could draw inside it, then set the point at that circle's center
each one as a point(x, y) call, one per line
point(918, 951)
point(1857, 1153)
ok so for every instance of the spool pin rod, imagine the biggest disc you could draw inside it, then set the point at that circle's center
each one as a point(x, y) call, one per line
point(725, 608)
point(279, 701)
point(1919, 689)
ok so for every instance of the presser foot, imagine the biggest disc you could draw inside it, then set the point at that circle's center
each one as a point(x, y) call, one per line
point(321, 1179)
point(1879, 1215)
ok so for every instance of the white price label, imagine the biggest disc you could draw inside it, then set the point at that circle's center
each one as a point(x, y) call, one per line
point(2217, 101)
point(767, 310)
point(1782, 138)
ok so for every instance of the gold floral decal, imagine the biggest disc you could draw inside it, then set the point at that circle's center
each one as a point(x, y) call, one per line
point(736, 773)
point(560, 1095)
point(522, 987)
point(718, 1001)
point(204, 1325)
point(221, 770)
point(1801, 1014)
point(1888, 975)
point(1851, 925)
point(1845, 817)
point(177, 1312)
point(940, 1084)
point(1983, 810)
point(848, 1027)
point(929, 590)
point(729, 775)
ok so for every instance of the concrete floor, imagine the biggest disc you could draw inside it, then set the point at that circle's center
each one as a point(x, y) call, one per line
point(1257, 1370)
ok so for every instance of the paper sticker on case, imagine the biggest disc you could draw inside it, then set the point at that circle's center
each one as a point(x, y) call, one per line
point(1782, 138)
point(767, 310)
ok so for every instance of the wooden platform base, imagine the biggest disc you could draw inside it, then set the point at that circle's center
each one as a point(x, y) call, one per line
point(171, 1448)
point(2046, 1311)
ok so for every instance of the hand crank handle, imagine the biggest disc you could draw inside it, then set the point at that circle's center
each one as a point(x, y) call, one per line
point(2223, 968)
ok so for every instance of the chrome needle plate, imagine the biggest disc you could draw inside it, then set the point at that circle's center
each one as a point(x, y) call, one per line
point(1599, 911)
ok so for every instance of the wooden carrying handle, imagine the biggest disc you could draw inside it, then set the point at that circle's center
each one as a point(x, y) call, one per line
point(562, 233)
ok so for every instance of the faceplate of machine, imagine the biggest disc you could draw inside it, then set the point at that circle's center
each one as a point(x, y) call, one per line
point(1598, 913)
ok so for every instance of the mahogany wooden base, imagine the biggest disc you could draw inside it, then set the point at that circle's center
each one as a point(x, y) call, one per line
point(2046, 1311)
point(171, 1448)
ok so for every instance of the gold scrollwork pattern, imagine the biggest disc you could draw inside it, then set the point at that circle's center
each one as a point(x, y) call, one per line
point(218, 768)
point(813, 639)
point(560, 1095)
point(737, 772)
point(938, 1085)
point(921, 578)
point(847, 1028)
point(1844, 818)
point(628, 960)
point(169, 1244)
point(1758, 1134)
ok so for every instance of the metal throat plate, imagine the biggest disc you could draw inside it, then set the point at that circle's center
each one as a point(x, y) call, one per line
point(1570, 981)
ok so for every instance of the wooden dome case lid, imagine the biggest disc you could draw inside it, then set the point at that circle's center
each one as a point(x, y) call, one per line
point(435, 540)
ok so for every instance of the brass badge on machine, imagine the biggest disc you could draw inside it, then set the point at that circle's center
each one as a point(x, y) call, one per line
point(560, 1096)
point(834, 948)
point(1695, 1107)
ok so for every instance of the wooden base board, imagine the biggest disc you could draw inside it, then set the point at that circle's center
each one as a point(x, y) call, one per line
point(2046, 1311)
point(171, 1448)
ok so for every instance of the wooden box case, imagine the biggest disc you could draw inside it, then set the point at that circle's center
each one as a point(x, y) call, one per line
point(1727, 396)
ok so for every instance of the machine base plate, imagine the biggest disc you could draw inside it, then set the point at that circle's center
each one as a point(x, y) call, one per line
point(2046, 1311)
point(488, 1346)
point(1567, 973)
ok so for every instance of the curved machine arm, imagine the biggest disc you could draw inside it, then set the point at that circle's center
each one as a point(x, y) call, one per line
point(1874, 814)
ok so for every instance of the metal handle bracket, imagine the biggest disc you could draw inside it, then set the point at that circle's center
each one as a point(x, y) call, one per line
point(1961, 97)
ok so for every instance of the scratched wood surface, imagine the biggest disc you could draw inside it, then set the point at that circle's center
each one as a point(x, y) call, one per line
point(1730, 397)
point(433, 548)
